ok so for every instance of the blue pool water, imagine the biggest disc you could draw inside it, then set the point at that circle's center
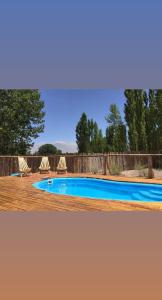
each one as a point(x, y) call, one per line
point(102, 189)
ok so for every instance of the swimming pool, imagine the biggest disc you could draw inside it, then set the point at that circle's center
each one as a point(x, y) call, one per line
point(102, 189)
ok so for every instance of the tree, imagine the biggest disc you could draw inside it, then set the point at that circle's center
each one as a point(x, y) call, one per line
point(48, 149)
point(89, 137)
point(95, 137)
point(21, 120)
point(100, 142)
point(114, 117)
point(159, 118)
point(131, 119)
point(152, 122)
point(116, 131)
point(83, 134)
point(135, 116)
point(141, 98)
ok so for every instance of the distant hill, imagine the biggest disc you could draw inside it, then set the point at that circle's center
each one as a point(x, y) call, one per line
point(66, 147)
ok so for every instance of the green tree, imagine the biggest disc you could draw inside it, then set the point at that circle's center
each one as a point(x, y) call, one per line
point(95, 137)
point(152, 122)
point(141, 98)
point(100, 142)
point(48, 149)
point(114, 117)
point(83, 134)
point(159, 119)
point(116, 131)
point(21, 120)
point(89, 137)
point(135, 116)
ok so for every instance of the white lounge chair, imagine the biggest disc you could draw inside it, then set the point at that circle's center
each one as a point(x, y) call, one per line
point(62, 168)
point(44, 166)
point(23, 167)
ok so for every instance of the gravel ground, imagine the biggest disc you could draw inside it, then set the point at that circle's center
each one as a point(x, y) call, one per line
point(142, 173)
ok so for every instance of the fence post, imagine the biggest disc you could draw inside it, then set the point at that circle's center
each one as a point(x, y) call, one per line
point(105, 165)
point(150, 170)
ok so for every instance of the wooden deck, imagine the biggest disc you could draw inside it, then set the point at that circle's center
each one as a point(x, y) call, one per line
point(17, 194)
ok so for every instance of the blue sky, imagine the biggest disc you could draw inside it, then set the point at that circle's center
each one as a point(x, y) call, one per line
point(80, 43)
point(63, 110)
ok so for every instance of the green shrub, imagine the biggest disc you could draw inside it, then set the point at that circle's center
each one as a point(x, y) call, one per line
point(139, 166)
point(115, 170)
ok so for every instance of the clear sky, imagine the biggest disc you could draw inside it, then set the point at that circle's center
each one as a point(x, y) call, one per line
point(80, 43)
point(64, 108)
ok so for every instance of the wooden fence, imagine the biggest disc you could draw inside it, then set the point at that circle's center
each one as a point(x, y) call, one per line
point(98, 163)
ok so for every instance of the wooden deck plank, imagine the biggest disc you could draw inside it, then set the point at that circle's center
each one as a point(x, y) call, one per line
point(18, 194)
